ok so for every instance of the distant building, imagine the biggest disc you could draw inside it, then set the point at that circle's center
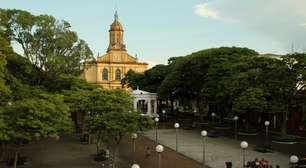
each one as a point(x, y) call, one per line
point(110, 68)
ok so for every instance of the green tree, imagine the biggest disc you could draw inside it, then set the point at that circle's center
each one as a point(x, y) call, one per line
point(113, 126)
point(5, 52)
point(133, 79)
point(48, 43)
point(250, 101)
point(292, 91)
point(227, 75)
point(111, 117)
point(35, 118)
point(149, 81)
point(206, 75)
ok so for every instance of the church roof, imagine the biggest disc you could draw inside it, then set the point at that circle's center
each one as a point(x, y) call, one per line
point(142, 92)
point(116, 25)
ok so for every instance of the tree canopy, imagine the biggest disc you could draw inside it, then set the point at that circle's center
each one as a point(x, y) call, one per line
point(47, 43)
point(236, 80)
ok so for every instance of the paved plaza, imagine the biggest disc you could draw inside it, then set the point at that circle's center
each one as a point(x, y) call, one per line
point(218, 150)
point(67, 152)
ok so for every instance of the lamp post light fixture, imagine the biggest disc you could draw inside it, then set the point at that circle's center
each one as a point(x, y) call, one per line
point(176, 126)
point(135, 166)
point(203, 134)
point(134, 136)
point(156, 128)
point(164, 113)
point(213, 118)
point(236, 127)
point(267, 123)
point(293, 160)
point(243, 145)
point(159, 149)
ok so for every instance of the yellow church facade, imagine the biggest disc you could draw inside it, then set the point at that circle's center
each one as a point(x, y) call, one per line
point(108, 69)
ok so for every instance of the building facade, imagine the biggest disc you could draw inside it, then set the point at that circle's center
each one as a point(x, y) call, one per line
point(108, 70)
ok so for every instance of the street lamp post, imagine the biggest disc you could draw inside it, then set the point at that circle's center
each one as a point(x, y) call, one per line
point(164, 113)
point(176, 126)
point(293, 161)
point(134, 136)
point(213, 118)
point(135, 166)
point(203, 134)
point(243, 145)
point(159, 149)
point(156, 128)
point(267, 123)
point(194, 115)
point(236, 119)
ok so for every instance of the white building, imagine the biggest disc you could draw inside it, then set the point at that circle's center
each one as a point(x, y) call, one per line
point(145, 102)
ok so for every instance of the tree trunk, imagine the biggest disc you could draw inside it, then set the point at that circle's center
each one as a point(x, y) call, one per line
point(115, 151)
point(98, 144)
point(89, 139)
point(199, 108)
point(284, 125)
point(2, 151)
point(247, 118)
point(16, 159)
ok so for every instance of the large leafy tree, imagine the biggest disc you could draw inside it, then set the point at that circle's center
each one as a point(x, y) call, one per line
point(48, 43)
point(4, 89)
point(206, 75)
point(227, 75)
point(250, 101)
point(133, 80)
point(111, 127)
point(27, 112)
point(110, 117)
point(292, 88)
point(148, 81)
point(35, 118)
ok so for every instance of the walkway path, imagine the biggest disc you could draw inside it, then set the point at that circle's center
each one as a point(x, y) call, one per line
point(67, 152)
point(219, 150)
point(169, 158)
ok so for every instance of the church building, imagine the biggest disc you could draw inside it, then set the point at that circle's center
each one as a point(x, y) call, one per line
point(108, 69)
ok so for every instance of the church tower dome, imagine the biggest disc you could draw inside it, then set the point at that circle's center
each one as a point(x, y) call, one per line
point(116, 35)
point(116, 25)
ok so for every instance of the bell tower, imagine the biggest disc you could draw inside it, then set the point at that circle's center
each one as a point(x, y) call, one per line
point(116, 36)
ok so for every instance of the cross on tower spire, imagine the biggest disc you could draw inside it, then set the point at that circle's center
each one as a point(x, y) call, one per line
point(116, 15)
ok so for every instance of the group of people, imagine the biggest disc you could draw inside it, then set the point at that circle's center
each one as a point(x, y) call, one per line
point(260, 164)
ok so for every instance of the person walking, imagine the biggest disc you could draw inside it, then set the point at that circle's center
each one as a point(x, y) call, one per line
point(148, 152)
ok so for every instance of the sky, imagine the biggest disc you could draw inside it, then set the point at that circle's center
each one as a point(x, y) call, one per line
point(158, 29)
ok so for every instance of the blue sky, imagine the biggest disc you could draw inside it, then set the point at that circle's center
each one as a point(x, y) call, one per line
point(159, 29)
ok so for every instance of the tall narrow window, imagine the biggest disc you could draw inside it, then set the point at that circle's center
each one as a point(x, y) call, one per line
point(118, 74)
point(105, 74)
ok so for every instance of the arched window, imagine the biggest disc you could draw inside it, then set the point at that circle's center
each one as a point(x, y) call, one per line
point(118, 74)
point(105, 74)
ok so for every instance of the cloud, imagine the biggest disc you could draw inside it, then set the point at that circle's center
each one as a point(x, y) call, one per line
point(279, 20)
point(303, 24)
point(204, 10)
